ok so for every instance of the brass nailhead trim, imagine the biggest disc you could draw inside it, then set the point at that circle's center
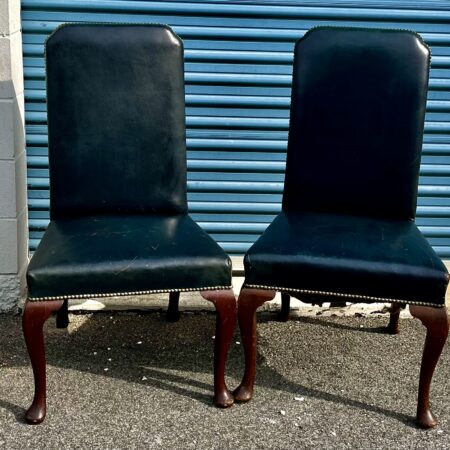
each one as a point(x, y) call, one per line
point(126, 294)
point(340, 294)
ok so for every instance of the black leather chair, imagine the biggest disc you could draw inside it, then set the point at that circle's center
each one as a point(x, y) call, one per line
point(346, 231)
point(118, 208)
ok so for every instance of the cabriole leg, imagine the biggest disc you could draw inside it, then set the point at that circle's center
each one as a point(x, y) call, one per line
point(62, 316)
point(435, 321)
point(34, 317)
point(249, 301)
point(173, 314)
point(283, 316)
point(226, 317)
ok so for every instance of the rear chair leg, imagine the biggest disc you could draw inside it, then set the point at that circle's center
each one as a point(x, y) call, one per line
point(226, 317)
point(249, 301)
point(173, 314)
point(62, 316)
point(34, 317)
point(338, 304)
point(436, 322)
point(283, 316)
point(393, 326)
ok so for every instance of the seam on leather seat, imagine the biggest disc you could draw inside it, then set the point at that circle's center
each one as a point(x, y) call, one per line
point(126, 294)
point(340, 294)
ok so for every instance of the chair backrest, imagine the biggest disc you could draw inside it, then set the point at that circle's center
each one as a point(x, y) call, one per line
point(357, 119)
point(116, 120)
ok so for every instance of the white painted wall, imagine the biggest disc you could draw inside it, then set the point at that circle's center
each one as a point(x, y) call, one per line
point(13, 193)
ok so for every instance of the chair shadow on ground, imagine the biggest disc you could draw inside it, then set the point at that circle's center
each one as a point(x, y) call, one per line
point(145, 345)
point(339, 326)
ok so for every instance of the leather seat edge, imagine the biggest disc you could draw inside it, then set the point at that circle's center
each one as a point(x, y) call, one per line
point(126, 294)
point(343, 295)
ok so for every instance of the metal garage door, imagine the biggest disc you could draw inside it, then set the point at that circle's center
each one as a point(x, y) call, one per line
point(238, 74)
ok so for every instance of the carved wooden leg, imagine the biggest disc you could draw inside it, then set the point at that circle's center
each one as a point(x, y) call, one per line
point(249, 301)
point(285, 307)
point(34, 317)
point(62, 316)
point(173, 314)
point(436, 322)
point(226, 310)
point(393, 327)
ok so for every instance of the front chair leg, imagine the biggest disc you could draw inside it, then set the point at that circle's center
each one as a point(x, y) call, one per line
point(436, 322)
point(283, 316)
point(249, 301)
point(226, 312)
point(173, 313)
point(34, 317)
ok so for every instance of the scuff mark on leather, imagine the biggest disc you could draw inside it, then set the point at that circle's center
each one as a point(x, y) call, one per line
point(124, 269)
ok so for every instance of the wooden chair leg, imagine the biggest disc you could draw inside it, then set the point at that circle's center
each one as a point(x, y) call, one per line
point(62, 316)
point(249, 301)
point(34, 317)
point(437, 324)
point(338, 304)
point(393, 326)
point(283, 316)
point(173, 313)
point(226, 317)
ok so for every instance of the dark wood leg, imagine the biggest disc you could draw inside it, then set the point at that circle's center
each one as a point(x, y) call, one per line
point(226, 310)
point(338, 304)
point(173, 314)
point(393, 326)
point(285, 307)
point(62, 316)
point(436, 322)
point(34, 317)
point(249, 301)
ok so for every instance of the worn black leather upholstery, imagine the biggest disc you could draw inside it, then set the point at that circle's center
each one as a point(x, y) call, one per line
point(357, 117)
point(117, 156)
point(347, 226)
point(116, 120)
point(104, 254)
point(366, 256)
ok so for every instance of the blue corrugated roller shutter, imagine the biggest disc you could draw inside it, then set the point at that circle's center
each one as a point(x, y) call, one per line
point(238, 74)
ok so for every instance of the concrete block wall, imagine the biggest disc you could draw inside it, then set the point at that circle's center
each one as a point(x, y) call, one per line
point(13, 192)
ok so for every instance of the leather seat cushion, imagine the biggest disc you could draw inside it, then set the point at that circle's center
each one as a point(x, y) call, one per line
point(116, 255)
point(363, 256)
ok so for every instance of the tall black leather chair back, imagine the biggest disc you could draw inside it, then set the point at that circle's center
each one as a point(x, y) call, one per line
point(358, 104)
point(116, 121)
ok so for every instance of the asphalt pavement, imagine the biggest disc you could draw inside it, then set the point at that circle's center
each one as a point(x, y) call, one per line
point(121, 380)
